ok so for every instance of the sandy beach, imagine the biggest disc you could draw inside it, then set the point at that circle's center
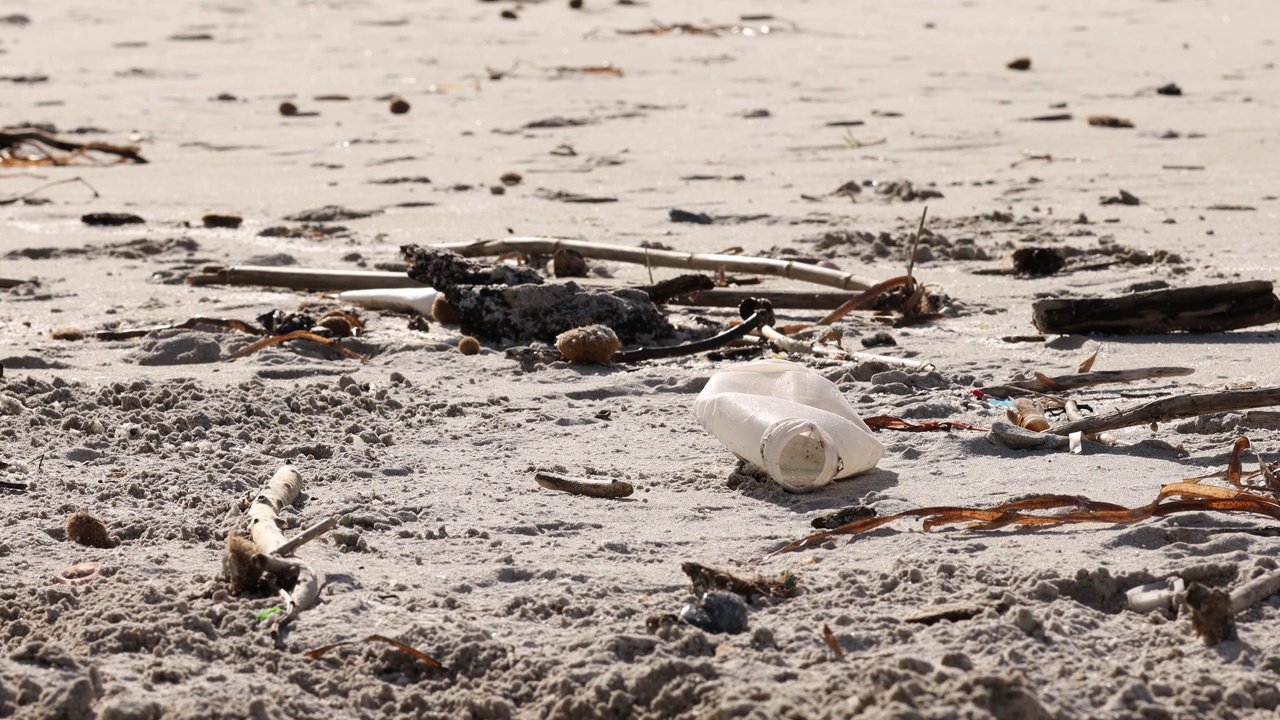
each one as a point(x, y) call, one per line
point(815, 132)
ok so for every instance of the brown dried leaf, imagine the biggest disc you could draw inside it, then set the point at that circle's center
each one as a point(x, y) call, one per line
point(1087, 365)
point(320, 651)
point(829, 638)
point(1234, 467)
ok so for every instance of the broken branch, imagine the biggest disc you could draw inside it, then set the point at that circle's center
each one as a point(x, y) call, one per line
point(1076, 381)
point(1174, 408)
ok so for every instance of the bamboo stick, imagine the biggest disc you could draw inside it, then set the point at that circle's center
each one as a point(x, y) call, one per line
point(665, 258)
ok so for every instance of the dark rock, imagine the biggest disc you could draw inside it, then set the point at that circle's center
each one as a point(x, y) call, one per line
point(111, 219)
point(521, 313)
point(443, 269)
point(717, 612)
point(1124, 198)
point(328, 213)
point(684, 216)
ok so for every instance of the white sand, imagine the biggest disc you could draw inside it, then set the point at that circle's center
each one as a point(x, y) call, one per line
point(538, 601)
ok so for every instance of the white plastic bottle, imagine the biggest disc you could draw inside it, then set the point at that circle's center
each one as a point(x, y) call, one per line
point(788, 420)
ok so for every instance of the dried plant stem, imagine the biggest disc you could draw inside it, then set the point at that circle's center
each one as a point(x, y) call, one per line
point(46, 186)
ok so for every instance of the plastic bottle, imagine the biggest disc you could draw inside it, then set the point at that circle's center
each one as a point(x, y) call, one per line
point(788, 420)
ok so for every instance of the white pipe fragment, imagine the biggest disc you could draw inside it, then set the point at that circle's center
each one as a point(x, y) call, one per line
point(417, 300)
point(1154, 596)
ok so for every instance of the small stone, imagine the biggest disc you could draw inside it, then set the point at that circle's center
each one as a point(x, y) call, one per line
point(111, 219)
point(216, 220)
point(67, 333)
point(399, 106)
point(511, 178)
point(717, 612)
point(288, 109)
point(1020, 63)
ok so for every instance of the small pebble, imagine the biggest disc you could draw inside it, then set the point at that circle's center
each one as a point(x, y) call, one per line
point(67, 333)
point(399, 106)
point(216, 220)
point(468, 345)
point(288, 109)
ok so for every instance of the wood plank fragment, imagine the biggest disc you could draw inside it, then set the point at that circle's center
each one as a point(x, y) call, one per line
point(1201, 309)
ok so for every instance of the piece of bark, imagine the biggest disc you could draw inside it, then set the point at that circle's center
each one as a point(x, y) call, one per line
point(1206, 308)
point(1174, 408)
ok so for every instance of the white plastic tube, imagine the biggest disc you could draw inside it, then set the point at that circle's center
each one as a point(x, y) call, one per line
point(417, 300)
point(788, 420)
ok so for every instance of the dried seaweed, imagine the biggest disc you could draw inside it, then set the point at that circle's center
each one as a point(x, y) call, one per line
point(29, 193)
point(320, 651)
point(39, 145)
point(888, 422)
point(703, 579)
point(1189, 495)
point(704, 30)
point(297, 335)
point(228, 323)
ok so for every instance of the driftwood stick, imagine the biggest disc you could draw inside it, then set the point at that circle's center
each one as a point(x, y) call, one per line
point(1182, 406)
point(264, 514)
point(665, 258)
point(1085, 379)
point(339, 280)
point(1255, 591)
point(590, 488)
point(905, 363)
point(291, 545)
point(303, 278)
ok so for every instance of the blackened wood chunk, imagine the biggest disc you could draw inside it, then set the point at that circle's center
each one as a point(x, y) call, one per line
point(1201, 309)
